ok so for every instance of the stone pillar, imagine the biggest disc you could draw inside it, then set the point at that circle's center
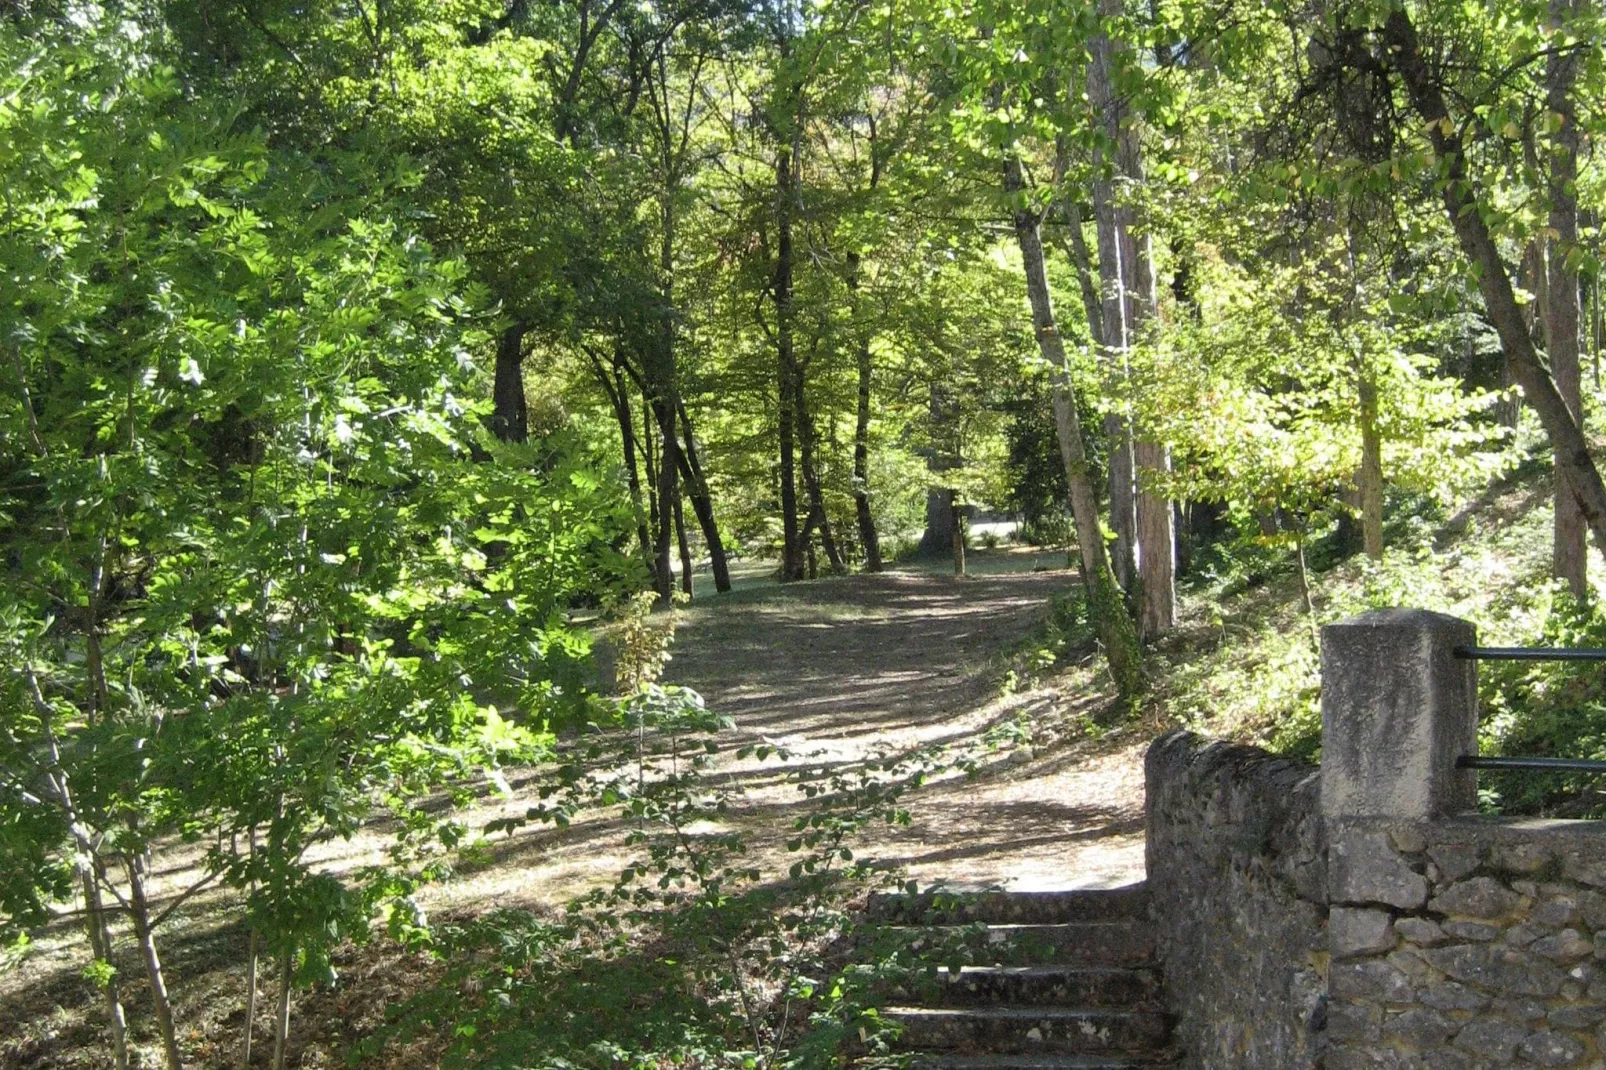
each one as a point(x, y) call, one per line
point(1398, 709)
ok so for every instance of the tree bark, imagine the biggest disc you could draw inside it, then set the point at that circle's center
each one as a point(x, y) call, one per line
point(956, 513)
point(617, 388)
point(510, 419)
point(1370, 477)
point(817, 516)
point(1569, 552)
point(702, 501)
point(1106, 608)
point(868, 536)
point(1567, 440)
point(1126, 266)
point(1115, 257)
point(786, 363)
point(140, 911)
point(685, 547)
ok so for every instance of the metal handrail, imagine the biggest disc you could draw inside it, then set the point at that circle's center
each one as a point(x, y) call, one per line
point(1530, 653)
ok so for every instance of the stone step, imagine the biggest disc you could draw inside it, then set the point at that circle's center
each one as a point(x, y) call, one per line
point(1085, 944)
point(1062, 986)
point(1031, 1030)
point(1128, 1061)
point(955, 907)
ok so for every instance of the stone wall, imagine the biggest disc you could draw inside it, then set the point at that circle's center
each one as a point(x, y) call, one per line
point(1468, 942)
point(1237, 876)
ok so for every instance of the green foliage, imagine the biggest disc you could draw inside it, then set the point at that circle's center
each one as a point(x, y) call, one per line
point(1546, 709)
point(694, 953)
point(267, 574)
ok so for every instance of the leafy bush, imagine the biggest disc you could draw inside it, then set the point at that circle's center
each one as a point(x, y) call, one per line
point(1548, 709)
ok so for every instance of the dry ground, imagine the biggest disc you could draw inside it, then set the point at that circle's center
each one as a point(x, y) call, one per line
point(837, 670)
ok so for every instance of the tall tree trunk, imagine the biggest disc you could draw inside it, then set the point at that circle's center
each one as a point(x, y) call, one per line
point(1567, 440)
point(956, 511)
point(1569, 553)
point(140, 912)
point(1157, 531)
point(1106, 607)
point(786, 360)
point(1371, 474)
point(650, 461)
point(685, 547)
point(510, 420)
point(702, 502)
point(668, 497)
point(1075, 245)
point(615, 384)
point(101, 943)
point(817, 516)
point(627, 433)
point(868, 537)
point(281, 1011)
point(1126, 266)
point(941, 456)
point(1115, 312)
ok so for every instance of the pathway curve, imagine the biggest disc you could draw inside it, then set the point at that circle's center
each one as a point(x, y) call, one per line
point(838, 668)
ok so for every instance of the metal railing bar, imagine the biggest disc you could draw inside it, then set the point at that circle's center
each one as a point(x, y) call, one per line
point(1575, 765)
point(1529, 653)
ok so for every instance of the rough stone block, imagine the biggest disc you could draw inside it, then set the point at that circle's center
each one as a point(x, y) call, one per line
point(1523, 858)
point(1398, 709)
point(1592, 905)
point(1491, 1038)
point(1471, 930)
point(1555, 912)
point(1565, 946)
point(1421, 1027)
point(1452, 996)
point(1365, 868)
point(1423, 932)
point(1500, 968)
point(1354, 931)
point(1577, 1016)
point(1369, 980)
point(1354, 1022)
point(1455, 860)
point(1587, 869)
point(1479, 897)
point(1551, 1049)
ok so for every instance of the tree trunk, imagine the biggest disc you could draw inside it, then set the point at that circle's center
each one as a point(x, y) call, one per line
point(615, 385)
point(510, 419)
point(957, 536)
point(811, 479)
point(1500, 304)
point(253, 956)
point(868, 537)
point(627, 433)
point(702, 502)
point(1569, 553)
point(650, 460)
point(668, 498)
point(685, 547)
point(100, 942)
point(1115, 312)
point(1370, 477)
point(281, 1013)
point(1126, 266)
point(139, 908)
point(786, 359)
point(1106, 608)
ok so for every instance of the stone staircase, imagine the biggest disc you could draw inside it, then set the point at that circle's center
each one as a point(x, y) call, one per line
point(1058, 981)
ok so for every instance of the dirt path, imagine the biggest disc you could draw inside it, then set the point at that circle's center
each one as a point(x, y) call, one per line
point(839, 668)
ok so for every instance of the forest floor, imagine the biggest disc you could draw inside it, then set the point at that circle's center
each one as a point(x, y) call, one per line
point(837, 671)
